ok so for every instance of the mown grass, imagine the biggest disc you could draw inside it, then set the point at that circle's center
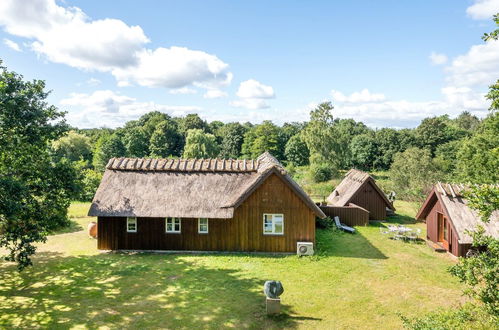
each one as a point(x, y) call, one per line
point(363, 280)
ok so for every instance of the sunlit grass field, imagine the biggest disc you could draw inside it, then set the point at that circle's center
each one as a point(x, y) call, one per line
point(363, 280)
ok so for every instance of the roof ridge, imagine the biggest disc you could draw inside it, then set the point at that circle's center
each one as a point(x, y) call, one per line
point(261, 164)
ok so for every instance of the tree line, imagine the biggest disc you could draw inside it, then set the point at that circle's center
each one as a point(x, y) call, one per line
point(440, 148)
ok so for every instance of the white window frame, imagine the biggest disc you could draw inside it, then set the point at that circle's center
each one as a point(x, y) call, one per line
point(173, 226)
point(273, 223)
point(130, 220)
point(207, 226)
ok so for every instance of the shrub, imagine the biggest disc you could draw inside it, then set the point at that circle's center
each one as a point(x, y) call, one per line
point(325, 223)
point(321, 172)
point(90, 183)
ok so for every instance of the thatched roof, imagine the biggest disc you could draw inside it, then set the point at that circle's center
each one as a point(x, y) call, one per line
point(351, 185)
point(186, 188)
point(457, 210)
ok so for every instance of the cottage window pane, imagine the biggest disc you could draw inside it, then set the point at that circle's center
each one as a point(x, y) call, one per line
point(273, 224)
point(131, 225)
point(173, 225)
point(203, 225)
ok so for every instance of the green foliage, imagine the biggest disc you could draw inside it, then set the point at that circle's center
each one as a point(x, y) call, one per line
point(232, 140)
point(479, 271)
point(90, 182)
point(483, 198)
point(445, 158)
point(108, 147)
point(467, 121)
point(35, 189)
point(364, 151)
point(322, 172)
point(493, 96)
point(494, 35)
point(261, 138)
point(200, 145)
point(478, 158)
point(319, 135)
point(326, 223)
point(73, 146)
point(192, 121)
point(165, 141)
point(435, 131)
point(413, 172)
point(136, 142)
point(296, 151)
point(344, 130)
point(466, 317)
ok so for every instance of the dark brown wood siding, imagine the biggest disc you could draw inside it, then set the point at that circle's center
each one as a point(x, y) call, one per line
point(244, 232)
point(368, 197)
point(349, 215)
point(455, 248)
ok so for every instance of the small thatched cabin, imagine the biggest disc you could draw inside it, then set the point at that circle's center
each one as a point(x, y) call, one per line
point(202, 205)
point(357, 199)
point(448, 218)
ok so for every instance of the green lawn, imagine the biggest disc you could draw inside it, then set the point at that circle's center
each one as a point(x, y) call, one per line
point(354, 281)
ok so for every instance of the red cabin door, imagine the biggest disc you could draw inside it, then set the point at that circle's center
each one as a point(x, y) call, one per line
point(443, 230)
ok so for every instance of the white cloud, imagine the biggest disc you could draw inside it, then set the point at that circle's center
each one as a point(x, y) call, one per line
point(12, 45)
point(67, 35)
point(252, 104)
point(252, 95)
point(183, 90)
point(252, 89)
point(107, 108)
point(483, 9)
point(93, 82)
point(479, 66)
point(437, 58)
point(215, 94)
point(357, 97)
point(175, 67)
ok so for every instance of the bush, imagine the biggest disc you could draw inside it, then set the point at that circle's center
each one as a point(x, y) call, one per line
point(325, 223)
point(90, 182)
point(321, 172)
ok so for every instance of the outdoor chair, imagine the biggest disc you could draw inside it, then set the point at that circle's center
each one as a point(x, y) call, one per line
point(343, 226)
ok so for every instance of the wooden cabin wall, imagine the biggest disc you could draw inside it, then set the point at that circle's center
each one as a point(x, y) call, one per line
point(242, 233)
point(349, 215)
point(368, 197)
point(455, 248)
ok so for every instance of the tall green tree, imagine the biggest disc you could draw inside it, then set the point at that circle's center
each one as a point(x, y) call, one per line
point(261, 138)
point(108, 147)
point(192, 121)
point(296, 151)
point(478, 158)
point(73, 146)
point(166, 141)
point(35, 190)
point(136, 142)
point(232, 140)
point(413, 173)
point(199, 144)
point(364, 151)
point(320, 137)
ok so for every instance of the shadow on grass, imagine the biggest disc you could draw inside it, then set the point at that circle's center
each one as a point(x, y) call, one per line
point(337, 243)
point(72, 227)
point(401, 219)
point(143, 290)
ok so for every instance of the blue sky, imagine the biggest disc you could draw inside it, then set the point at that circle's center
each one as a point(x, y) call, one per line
point(386, 63)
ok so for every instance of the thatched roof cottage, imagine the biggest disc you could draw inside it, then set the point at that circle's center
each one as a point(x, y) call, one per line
point(202, 205)
point(449, 218)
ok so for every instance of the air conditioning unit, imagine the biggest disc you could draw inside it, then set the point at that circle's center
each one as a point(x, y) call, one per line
point(304, 248)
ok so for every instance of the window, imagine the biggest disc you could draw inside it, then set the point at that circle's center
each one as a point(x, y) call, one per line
point(203, 226)
point(173, 225)
point(131, 225)
point(273, 224)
